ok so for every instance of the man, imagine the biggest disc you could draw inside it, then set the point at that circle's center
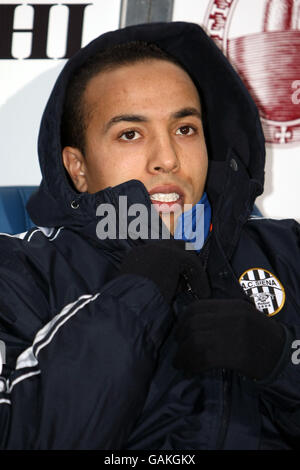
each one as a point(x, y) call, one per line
point(131, 342)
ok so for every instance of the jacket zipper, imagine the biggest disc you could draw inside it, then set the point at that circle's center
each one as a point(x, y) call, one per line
point(189, 289)
point(226, 409)
point(226, 379)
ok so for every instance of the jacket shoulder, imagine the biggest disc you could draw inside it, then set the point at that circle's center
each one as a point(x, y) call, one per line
point(277, 237)
point(278, 230)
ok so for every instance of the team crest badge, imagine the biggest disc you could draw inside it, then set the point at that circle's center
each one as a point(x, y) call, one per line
point(265, 290)
point(265, 52)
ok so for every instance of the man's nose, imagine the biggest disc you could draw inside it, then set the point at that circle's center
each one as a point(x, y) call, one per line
point(163, 155)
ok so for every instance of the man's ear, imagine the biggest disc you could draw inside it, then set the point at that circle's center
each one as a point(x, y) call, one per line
point(74, 163)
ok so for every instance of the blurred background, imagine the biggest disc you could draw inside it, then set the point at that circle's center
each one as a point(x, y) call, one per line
point(261, 38)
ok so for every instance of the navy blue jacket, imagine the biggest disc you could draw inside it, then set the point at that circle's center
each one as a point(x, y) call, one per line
point(89, 353)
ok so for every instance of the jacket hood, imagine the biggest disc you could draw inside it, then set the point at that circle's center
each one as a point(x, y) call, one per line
point(232, 128)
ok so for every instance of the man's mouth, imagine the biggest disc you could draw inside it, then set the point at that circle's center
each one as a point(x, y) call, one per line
point(166, 198)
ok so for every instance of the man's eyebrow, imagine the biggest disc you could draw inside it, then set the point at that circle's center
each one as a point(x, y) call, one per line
point(184, 112)
point(125, 117)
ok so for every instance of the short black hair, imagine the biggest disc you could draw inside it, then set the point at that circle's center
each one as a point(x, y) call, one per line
point(74, 117)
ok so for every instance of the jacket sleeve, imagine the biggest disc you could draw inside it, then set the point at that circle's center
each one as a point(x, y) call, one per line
point(81, 383)
point(280, 393)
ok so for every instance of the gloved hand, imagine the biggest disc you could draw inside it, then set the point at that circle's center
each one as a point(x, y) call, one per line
point(164, 262)
point(231, 334)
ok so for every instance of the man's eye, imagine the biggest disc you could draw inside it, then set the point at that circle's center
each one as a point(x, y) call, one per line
point(185, 130)
point(129, 135)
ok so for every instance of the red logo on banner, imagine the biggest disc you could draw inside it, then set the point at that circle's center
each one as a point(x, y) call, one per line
point(268, 62)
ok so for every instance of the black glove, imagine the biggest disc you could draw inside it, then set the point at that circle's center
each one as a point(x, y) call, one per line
point(230, 334)
point(164, 262)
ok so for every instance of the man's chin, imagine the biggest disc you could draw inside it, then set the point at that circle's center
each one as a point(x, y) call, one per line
point(170, 219)
point(170, 212)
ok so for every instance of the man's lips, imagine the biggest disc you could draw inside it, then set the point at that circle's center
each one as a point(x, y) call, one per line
point(167, 198)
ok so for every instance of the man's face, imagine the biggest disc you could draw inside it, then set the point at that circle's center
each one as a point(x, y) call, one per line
point(144, 123)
